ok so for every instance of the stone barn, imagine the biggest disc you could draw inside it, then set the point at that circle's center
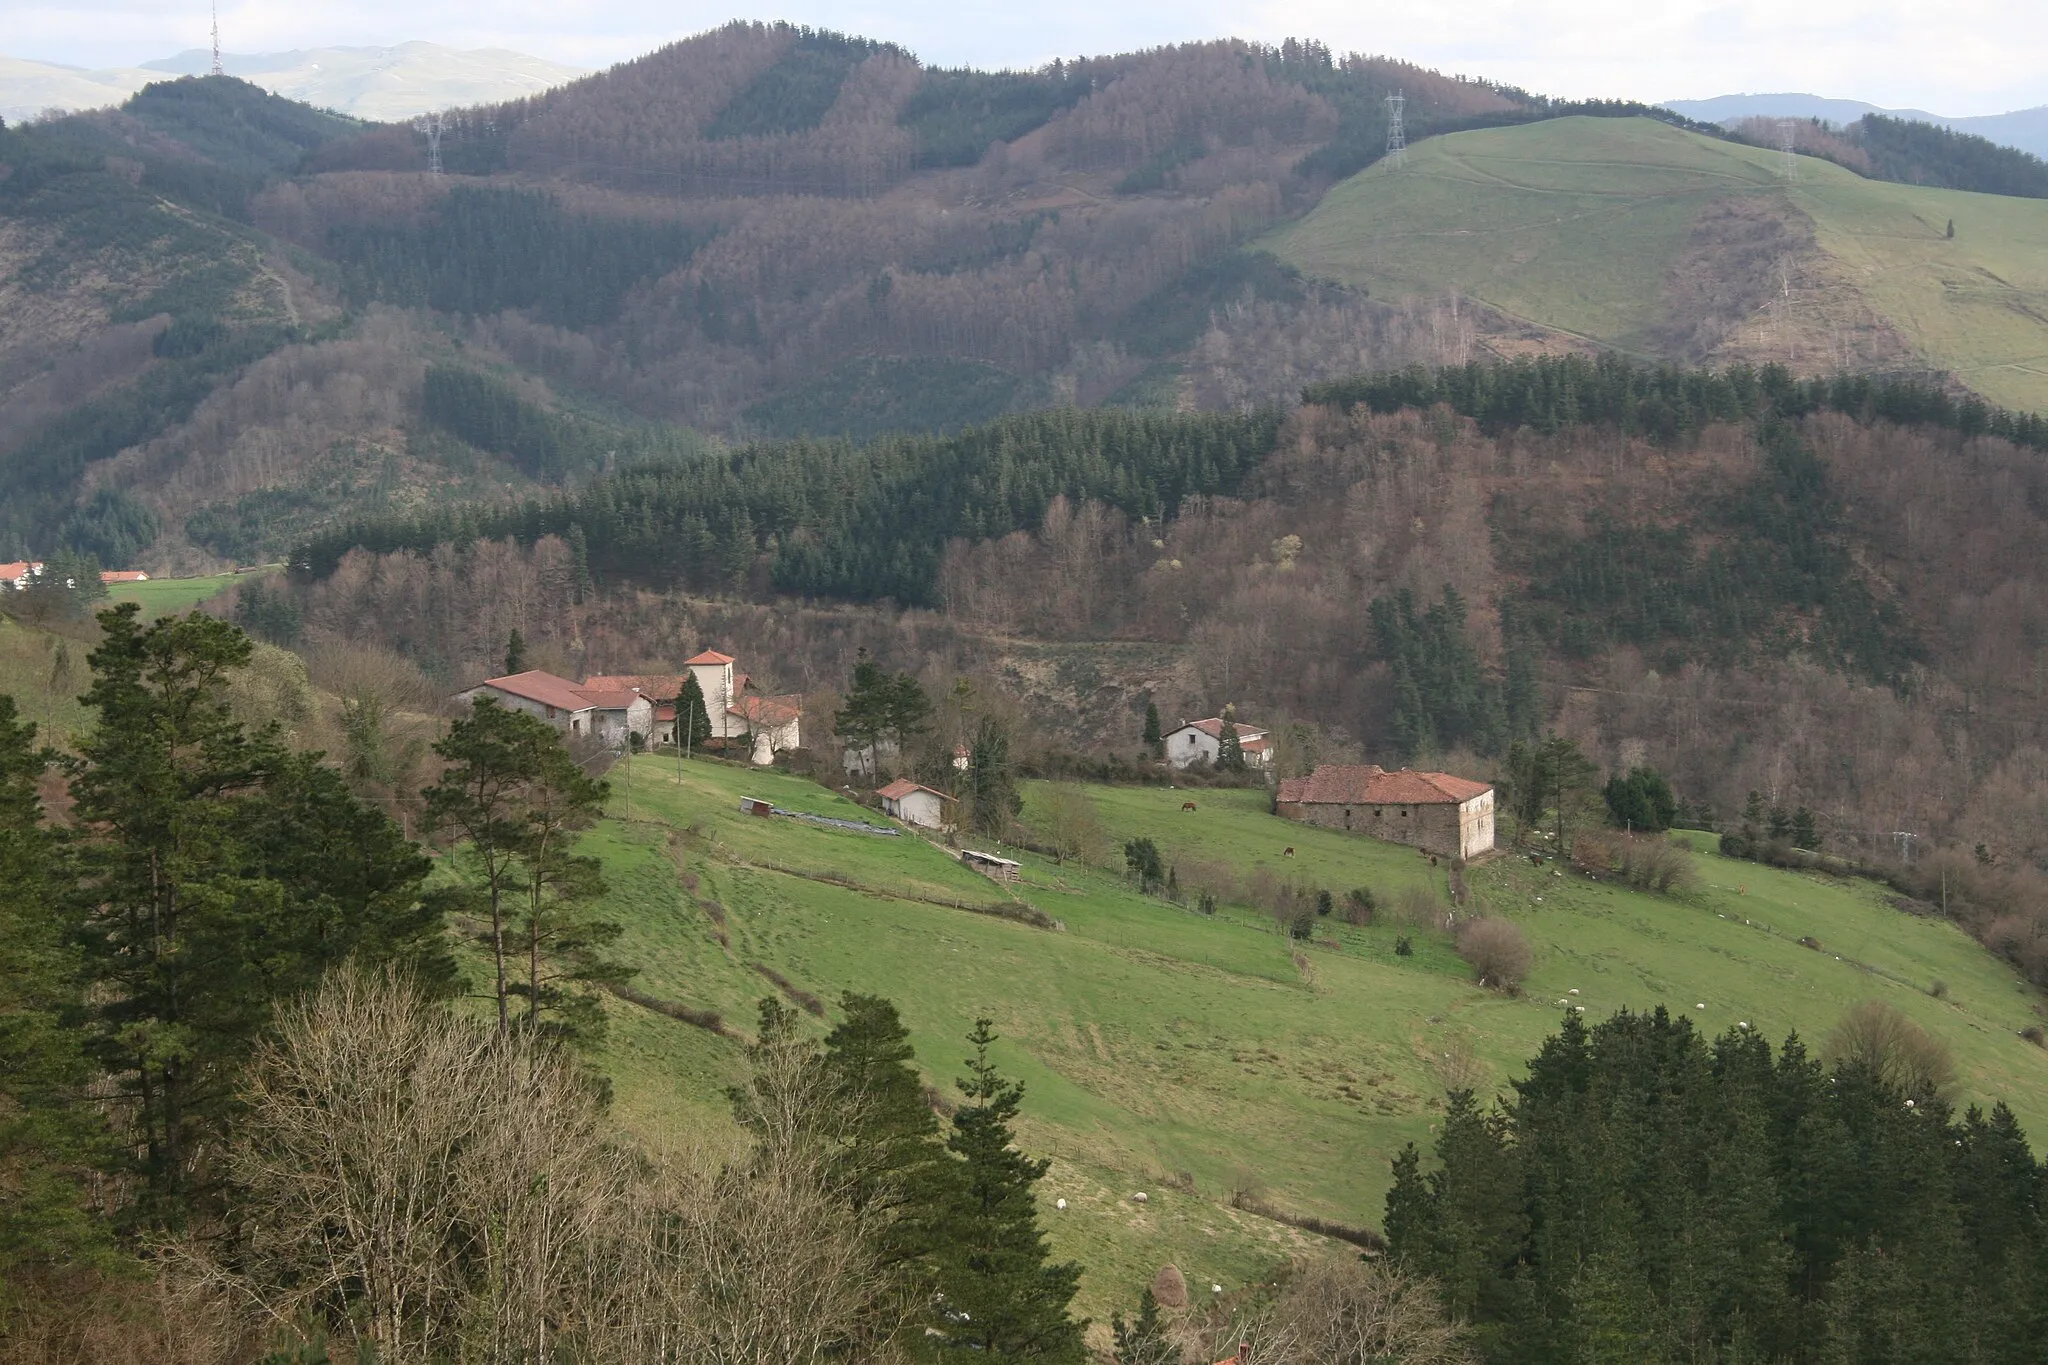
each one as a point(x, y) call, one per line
point(1436, 812)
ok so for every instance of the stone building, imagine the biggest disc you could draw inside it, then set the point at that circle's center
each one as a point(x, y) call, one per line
point(1436, 812)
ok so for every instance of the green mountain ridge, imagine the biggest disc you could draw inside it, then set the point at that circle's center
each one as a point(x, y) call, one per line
point(1639, 236)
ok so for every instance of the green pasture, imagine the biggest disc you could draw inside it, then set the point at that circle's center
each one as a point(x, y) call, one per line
point(1189, 1055)
point(1575, 223)
point(171, 596)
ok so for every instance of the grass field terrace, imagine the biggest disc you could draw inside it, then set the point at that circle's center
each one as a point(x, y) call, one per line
point(1188, 1055)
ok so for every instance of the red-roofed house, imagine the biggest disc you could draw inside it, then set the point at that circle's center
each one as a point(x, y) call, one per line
point(607, 715)
point(123, 576)
point(915, 805)
point(1432, 811)
point(1199, 741)
point(21, 572)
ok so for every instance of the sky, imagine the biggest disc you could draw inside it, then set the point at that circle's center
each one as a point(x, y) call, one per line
point(1952, 57)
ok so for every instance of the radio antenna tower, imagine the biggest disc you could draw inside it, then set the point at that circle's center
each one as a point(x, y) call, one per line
point(1788, 146)
point(218, 69)
point(430, 124)
point(1397, 135)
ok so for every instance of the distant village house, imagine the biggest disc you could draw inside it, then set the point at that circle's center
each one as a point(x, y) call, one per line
point(914, 804)
point(1436, 812)
point(1201, 741)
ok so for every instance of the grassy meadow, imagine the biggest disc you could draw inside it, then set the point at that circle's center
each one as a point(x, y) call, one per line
point(1578, 223)
point(171, 596)
point(1189, 1055)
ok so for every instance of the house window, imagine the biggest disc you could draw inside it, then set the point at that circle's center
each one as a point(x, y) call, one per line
point(1404, 812)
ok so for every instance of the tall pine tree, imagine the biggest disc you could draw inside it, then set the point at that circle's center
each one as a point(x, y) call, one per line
point(213, 873)
point(1003, 1302)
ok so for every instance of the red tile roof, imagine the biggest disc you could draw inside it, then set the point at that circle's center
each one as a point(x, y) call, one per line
point(543, 687)
point(768, 711)
point(1368, 784)
point(609, 699)
point(653, 686)
point(117, 575)
point(709, 656)
point(903, 787)
point(20, 568)
point(1213, 728)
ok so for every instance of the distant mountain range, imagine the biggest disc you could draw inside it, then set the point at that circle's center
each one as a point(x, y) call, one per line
point(2026, 129)
point(377, 83)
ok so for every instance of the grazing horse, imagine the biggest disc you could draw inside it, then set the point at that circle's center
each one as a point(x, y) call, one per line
point(1187, 805)
point(1287, 853)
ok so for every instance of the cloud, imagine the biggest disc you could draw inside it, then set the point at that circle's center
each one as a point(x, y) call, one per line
point(1959, 57)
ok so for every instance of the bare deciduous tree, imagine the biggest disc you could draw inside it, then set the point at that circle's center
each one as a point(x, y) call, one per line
point(1881, 1039)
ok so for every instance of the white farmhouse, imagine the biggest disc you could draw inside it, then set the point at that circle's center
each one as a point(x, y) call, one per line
point(915, 805)
point(1199, 741)
point(604, 715)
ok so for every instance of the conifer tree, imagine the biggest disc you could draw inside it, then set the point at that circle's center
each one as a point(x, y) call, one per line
point(893, 1164)
point(1229, 746)
point(693, 722)
point(992, 796)
point(1003, 1302)
point(1155, 742)
point(505, 793)
point(1143, 1340)
point(865, 718)
point(515, 653)
point(213, 873)
point(565, 944)
point(49, 1133)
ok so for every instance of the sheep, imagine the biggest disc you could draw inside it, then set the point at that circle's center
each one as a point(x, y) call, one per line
point(1059, 1203)
point(1141, 1198)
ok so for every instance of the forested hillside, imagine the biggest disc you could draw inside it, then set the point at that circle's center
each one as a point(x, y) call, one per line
point(1758, 582)
point(774, 231)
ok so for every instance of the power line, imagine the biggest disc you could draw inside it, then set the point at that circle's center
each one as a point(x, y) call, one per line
point(1788, 144)
point(218, 69)
point(1397, 134)
point(431, 125)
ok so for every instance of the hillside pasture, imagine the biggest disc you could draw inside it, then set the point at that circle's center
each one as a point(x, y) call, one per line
point(1191, 1055)
point(1659, 242)
point(174, 596)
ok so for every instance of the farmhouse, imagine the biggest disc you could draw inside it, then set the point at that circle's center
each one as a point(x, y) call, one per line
point(734, 709)
point(914, 804)
point(21, 572)
point(123, 576)
point(1435, 812)
point(1198, 741)
point(606, 715)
